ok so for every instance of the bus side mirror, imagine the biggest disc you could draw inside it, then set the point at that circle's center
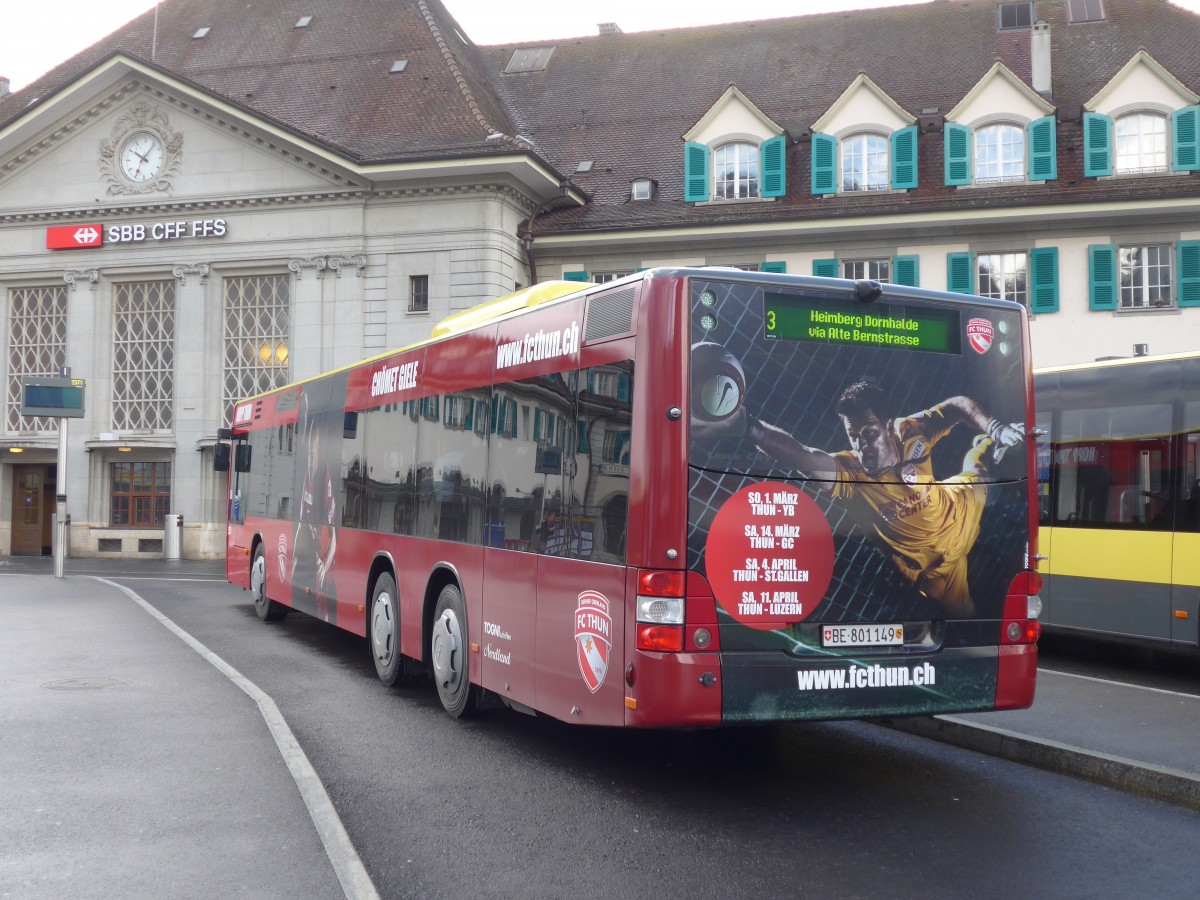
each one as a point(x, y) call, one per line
point(220, 457)
point(241, 460)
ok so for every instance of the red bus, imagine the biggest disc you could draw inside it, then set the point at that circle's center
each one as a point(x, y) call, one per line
point(689, 497)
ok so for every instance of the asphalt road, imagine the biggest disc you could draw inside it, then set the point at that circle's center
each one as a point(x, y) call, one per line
point(511, 806)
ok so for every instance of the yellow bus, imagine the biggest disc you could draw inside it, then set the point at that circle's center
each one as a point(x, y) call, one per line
point(1119, 497)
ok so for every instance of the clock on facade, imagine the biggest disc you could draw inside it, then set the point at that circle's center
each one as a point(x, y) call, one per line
point(142, 157)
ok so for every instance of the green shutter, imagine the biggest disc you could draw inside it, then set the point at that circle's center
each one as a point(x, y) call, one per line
point(958, 153)
point(1102, 276)
point(773, 154)
point(1043, 280)
point(1043, 152)
point(827, 268)
point(1185, 133)
point(1097, 145)
point(904, 158)
point(959, 272)
point(575, 276)
point(824, 163)
point(1189, 273)
point(906, 270)
point(779, 267)
point(695, 172)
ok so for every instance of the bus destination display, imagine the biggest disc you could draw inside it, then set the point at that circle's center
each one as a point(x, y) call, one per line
point(795, 318)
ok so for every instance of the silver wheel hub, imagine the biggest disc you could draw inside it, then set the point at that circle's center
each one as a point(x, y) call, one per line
point(258, 579)
point(383, 628)
point(448, 649)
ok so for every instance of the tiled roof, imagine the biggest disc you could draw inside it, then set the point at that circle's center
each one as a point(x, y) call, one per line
point(625, 100)
point(329, 82)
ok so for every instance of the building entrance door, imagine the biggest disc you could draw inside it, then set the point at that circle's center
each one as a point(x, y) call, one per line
point(31, 512)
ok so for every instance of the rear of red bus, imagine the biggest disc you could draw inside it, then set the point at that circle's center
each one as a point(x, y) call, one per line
point(861, 520)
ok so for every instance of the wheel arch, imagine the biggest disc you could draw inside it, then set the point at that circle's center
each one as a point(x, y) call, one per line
point(443, 574)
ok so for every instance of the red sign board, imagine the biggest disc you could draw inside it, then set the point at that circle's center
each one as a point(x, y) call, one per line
point(74, 237)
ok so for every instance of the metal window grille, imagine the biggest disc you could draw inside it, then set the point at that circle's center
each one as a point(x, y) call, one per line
point(257, 326)
point(37, 346)
point(1004, 276)
point(865, 163)
point(144, 356)
point(1146, 277)
point(874, 269)
point(418, 293)
point(140, 494)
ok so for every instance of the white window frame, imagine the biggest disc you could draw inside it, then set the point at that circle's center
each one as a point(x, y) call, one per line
point(870, 269)
point(1137, 149)
point(641, 189)
point(865, 155)
point(1013, 269)
point(736, 171)
point(1146, 278)
point(999, 153)
point(1086, 10)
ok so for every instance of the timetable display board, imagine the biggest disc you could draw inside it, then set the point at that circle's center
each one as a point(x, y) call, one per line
point(55, 397)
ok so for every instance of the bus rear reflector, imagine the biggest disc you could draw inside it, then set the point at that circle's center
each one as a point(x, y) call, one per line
point(661, 638)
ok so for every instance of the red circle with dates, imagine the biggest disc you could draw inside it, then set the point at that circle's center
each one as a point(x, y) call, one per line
point(769, 555)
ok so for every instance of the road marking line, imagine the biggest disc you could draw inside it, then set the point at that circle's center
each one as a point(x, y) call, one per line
point(1139, 687)
point(347, 864)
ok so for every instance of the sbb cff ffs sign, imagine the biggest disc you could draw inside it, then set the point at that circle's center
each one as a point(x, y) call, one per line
point(73, 237)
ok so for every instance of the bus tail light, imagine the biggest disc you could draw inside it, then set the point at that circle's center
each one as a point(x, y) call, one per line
point(660, 611)
point(1022, 606)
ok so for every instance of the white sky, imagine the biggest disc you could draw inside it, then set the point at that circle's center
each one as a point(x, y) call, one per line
point(36, 36)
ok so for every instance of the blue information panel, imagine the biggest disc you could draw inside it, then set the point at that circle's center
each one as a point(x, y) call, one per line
point(56, 397)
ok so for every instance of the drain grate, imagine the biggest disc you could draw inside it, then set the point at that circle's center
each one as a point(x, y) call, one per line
point(87, 683)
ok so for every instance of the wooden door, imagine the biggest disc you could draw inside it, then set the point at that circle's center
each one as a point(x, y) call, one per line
point(29, 514)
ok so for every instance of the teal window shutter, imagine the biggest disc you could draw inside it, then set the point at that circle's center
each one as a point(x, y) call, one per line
point(780, 267)
point(906, 270)
point(1043, 279)
point(904, 158)
point(827, 268)
point(824, 163)
point(773, 154)
point(1043, 150)
point(1189, 273)
point(575, 276)
point(1185, 134)
point(695, 172)
point(958, 153)
point(1102, 276)
point(1097, 145)
point(959, 272)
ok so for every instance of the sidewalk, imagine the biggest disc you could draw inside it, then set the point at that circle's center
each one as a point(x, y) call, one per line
point(132, 766)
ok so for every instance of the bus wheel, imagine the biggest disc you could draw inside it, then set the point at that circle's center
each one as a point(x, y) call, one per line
point(448, 652)
point(268, 610)
point(384, 624)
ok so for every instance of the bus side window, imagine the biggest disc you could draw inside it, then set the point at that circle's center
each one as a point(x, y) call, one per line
point(603, 446)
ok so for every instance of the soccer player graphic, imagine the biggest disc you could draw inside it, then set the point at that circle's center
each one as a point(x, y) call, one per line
point(886, 481)
point(315, 542)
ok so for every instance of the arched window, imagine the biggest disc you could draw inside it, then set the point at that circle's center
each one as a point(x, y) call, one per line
point(1141, 143)
point(865, 163)
point(999, 154)
point(735, 171)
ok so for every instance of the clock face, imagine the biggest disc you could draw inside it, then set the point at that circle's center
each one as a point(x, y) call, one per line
point(142, 157)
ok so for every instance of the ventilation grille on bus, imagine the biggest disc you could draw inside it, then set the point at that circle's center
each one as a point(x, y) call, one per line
point(609, 314)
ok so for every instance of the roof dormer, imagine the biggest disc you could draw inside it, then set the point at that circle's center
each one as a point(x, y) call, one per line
point(734, 152)
point(865, 141)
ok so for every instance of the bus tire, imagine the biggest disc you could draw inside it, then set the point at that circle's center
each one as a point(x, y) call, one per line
point(383, 624)
point(448, 653)
point(268, 610)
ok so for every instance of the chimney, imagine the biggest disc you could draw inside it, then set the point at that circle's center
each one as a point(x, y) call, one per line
point(609, 28)
point(1039, 53)
point(4, 83)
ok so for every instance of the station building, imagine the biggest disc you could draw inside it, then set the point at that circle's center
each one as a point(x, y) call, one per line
point(222, 197)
